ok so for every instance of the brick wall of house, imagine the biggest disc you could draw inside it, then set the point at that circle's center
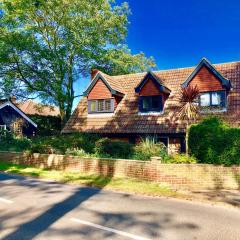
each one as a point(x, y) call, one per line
point(178, 176)
point(206, 81)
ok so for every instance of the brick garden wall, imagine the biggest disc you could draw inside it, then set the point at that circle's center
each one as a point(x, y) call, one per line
point(179, 176)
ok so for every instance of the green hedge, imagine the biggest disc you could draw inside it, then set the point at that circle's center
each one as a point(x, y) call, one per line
point(213, 141)
point(114, 149)
point(60, 144)
point(47, 125)
point(9, 142)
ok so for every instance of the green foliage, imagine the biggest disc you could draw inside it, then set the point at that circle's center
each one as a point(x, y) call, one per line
point(76, 152)
point(213, 141)
point(115, 149)
point(148, 148)
point(62, 143)
point(181, 158)
point(47, 125)
point(45, 46)
point(9, 142)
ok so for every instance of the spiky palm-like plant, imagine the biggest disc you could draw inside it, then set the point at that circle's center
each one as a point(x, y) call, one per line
point(189, 110)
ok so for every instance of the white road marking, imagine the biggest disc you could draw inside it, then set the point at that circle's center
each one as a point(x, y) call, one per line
point(6, 201)
point(125, 234)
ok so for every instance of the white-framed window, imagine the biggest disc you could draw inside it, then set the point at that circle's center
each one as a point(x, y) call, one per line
point(101, 106)
point(213, 99)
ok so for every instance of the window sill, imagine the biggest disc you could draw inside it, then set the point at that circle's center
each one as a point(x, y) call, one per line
point(206, 111)
point(96, 115)
point(150, 113)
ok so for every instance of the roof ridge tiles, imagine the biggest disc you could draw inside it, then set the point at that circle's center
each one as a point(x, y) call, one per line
point(170, 69)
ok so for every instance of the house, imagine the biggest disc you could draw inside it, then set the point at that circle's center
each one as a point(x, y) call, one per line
point(31, 108)
point(47, 117)
point(132, 106)
point(20, 117)
point(14, 119)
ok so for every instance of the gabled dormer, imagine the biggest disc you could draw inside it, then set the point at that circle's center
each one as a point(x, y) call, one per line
point(152, 94)
point(212, 85)
point(103, 94)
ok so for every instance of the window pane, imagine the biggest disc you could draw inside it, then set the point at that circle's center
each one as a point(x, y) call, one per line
point(100, 105)
point(108, 105)
point(151, 103)
point(93, 106)
point(156, 102)
point(216, 98)
point(146, 103)
point(205, 100)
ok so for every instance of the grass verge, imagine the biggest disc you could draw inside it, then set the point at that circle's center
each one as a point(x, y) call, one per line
point(129, 185)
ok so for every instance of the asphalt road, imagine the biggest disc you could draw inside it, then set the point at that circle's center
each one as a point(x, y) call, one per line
point(35, 209)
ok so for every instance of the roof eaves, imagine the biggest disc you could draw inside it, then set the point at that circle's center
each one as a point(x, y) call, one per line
point(204, 62)
point(9, 103)
point(156, 80)
point(93, 82)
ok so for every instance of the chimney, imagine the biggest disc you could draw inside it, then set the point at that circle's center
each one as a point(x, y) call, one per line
point(93, 73)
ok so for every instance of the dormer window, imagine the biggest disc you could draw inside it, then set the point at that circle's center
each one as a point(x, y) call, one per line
point(152, 94)
point(212, 85)
point(101, 106)
point(214, 99)
point(151, 104)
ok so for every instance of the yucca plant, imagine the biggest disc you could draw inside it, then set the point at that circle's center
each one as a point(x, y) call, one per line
point(189, 110)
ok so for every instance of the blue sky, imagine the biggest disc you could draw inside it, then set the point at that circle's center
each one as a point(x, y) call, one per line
point(179, 33)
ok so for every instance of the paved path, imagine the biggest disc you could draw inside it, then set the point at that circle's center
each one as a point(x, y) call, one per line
point(34, 209)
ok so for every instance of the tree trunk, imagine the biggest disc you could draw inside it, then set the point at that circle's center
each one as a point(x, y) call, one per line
point(187, 136)
point(65, 112)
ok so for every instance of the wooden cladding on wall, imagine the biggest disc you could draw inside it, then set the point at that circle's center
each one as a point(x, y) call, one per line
point(99, 91)
point(206, 81)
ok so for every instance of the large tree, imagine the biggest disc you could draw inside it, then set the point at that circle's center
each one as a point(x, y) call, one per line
point(47, 45)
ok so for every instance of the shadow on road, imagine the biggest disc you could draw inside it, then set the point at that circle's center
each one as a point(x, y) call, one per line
point(34, 227)
point(151, 223)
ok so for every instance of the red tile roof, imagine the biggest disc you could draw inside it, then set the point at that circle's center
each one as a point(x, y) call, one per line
point(32, 108)
point(126, 118)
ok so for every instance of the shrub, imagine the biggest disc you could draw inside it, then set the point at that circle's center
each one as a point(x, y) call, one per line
point(115, 149)
point(77, 152)
point(47, 125)
point(10, 142)
point(181, 158)
point(148, 148)
point(62, 143)
point(213, 141)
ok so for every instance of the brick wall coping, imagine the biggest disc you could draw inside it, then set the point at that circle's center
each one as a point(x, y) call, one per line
point(126, 160)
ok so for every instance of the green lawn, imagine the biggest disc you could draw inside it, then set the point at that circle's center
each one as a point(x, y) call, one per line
point(123, 184)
